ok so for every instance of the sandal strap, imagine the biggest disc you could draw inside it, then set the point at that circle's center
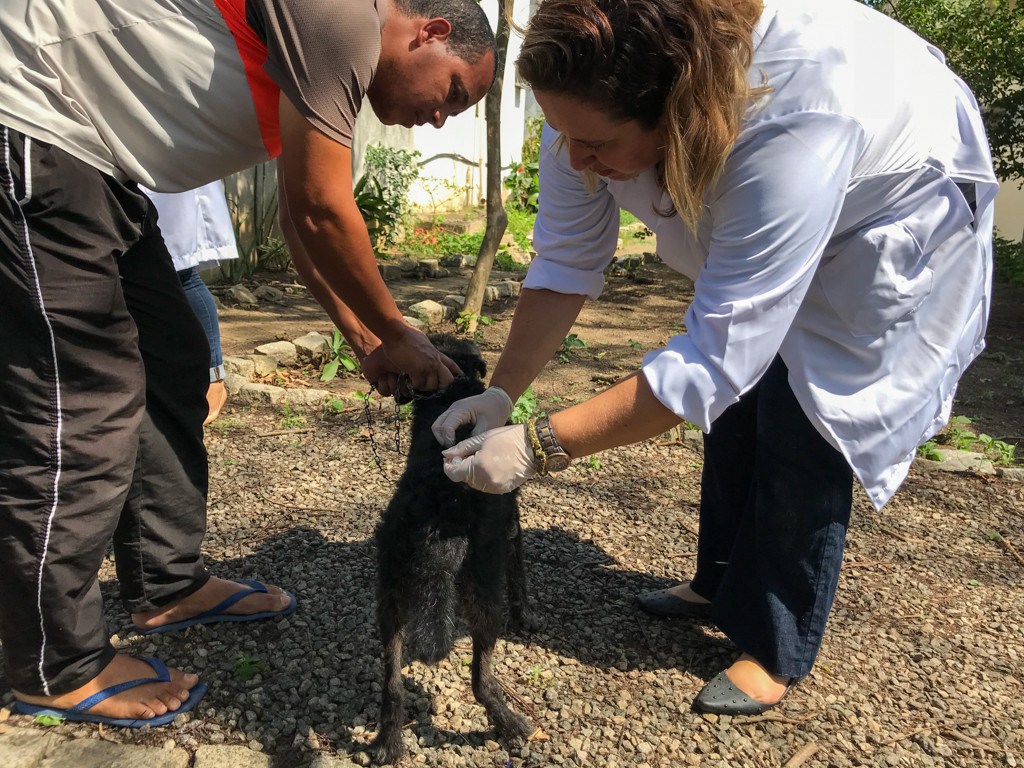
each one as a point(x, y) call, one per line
point(162, 676)
point(255, 587)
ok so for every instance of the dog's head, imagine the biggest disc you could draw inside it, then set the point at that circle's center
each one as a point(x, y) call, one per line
point(463, 352)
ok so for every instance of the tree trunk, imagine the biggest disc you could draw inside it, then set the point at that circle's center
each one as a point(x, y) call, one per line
point(497, 219)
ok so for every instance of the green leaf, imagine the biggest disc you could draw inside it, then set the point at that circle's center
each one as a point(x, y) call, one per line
point(974, 582)
point(330, 370)
point(48, 720)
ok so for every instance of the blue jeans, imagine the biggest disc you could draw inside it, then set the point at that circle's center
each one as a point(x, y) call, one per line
point(775, 505)
point(201, 299)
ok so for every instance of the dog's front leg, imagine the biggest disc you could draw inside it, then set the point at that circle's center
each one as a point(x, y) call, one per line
point(388, 747)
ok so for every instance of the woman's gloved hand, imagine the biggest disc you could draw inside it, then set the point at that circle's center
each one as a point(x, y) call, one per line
point(486, 411)
point(498, 461)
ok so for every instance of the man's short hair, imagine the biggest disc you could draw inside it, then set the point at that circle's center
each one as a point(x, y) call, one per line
point(471, 36)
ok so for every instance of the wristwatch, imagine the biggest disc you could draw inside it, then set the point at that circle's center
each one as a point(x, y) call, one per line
point(555, 457)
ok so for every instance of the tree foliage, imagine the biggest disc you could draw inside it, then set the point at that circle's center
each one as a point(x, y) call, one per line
point(984, 43)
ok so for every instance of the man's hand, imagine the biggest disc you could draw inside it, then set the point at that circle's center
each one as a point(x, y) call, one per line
point(487, 411)
point(378, 369)
point(498, 461)
point(411, 353)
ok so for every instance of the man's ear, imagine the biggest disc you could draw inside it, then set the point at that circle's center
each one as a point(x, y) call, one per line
point(435, 29)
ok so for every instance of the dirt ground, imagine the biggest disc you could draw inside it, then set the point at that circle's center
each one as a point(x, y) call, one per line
point(632, 316)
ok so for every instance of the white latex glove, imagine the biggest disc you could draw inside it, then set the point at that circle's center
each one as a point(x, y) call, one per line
point(498, 461)
point(487, 411)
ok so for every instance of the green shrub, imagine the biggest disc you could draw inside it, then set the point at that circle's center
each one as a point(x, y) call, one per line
point(1009, 260)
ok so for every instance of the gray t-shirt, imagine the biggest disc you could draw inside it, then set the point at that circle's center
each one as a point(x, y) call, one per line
point(176, 93)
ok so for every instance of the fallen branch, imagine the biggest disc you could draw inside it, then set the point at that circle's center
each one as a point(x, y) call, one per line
point(1011, 549)
point(971, 742)
point(681, 554)
point(904, 736)
point(274, 432)
point(801, 756)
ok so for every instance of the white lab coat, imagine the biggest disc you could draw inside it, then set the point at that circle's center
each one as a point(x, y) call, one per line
point(836, 236)
point(196, 226)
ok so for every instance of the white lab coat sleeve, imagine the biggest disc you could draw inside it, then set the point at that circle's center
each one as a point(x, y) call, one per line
point(576, 232)
point(773, 212)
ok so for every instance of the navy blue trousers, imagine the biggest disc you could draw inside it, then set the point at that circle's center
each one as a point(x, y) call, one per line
point(775, 505)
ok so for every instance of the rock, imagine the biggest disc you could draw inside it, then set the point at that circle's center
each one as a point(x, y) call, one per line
point(264, 394)
point(263, 365)
point(390, 272)
point(306, 398)
point(409, 267)
point(242, 366)
point(234, 382)
point(415, 322)
point(242, 296)
point(311, 346)
point(958, 461)
point(1011, 473)
point(24, 747)
point(269, 293)
point(96, 753)
point(491, 294)
point(430, 312)
point(223, 756)
point(283, 352)
point(509, 287)
point(454, 301)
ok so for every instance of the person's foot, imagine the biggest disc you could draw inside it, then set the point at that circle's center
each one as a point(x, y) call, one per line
point(684, 592)
point(756, 682)
point(209, 595)
point(678, 602)
point(142, 702)
point(216, 396)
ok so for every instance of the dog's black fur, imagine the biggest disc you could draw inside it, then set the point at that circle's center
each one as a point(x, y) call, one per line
point(444, 548)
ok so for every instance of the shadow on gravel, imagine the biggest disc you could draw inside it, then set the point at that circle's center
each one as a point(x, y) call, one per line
point(312, 681)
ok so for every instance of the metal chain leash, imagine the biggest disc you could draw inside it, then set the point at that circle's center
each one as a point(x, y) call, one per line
point(368, 414)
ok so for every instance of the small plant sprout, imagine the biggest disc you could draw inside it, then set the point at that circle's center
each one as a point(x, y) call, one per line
point(635, 344)
point(526, 407)
point(246, 667)
point(570, 344)
point(291, 420)
point(929, 450)
point(337, 355)
point(465, 322)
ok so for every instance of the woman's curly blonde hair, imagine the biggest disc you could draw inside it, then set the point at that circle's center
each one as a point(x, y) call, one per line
point(678, 65)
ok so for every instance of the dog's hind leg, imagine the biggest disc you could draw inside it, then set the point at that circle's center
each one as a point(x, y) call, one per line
point(388, 747)
point(520, 615)
point(511, 726)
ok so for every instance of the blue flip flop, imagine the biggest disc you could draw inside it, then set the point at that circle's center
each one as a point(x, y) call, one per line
point(78, 712)
point(216, 614)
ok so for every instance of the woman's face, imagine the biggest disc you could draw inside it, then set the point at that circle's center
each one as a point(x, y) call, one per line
point(610, 148)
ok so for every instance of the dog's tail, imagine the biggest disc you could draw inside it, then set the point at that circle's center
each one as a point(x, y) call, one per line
point(432, 628)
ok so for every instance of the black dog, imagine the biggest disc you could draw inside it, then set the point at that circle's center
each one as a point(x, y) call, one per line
point(444, 548)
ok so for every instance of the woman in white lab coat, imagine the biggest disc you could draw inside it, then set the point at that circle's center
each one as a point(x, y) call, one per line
point(826, 182)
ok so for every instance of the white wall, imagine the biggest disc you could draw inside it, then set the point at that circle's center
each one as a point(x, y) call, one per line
point(1010, 210)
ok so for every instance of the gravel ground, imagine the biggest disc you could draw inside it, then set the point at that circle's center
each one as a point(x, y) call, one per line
point(922, 664)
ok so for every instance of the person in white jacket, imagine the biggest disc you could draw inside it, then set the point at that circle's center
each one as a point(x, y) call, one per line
point(196, 226)
point(826, 182)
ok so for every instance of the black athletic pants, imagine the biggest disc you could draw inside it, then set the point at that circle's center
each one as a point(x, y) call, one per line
point(103, 378)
